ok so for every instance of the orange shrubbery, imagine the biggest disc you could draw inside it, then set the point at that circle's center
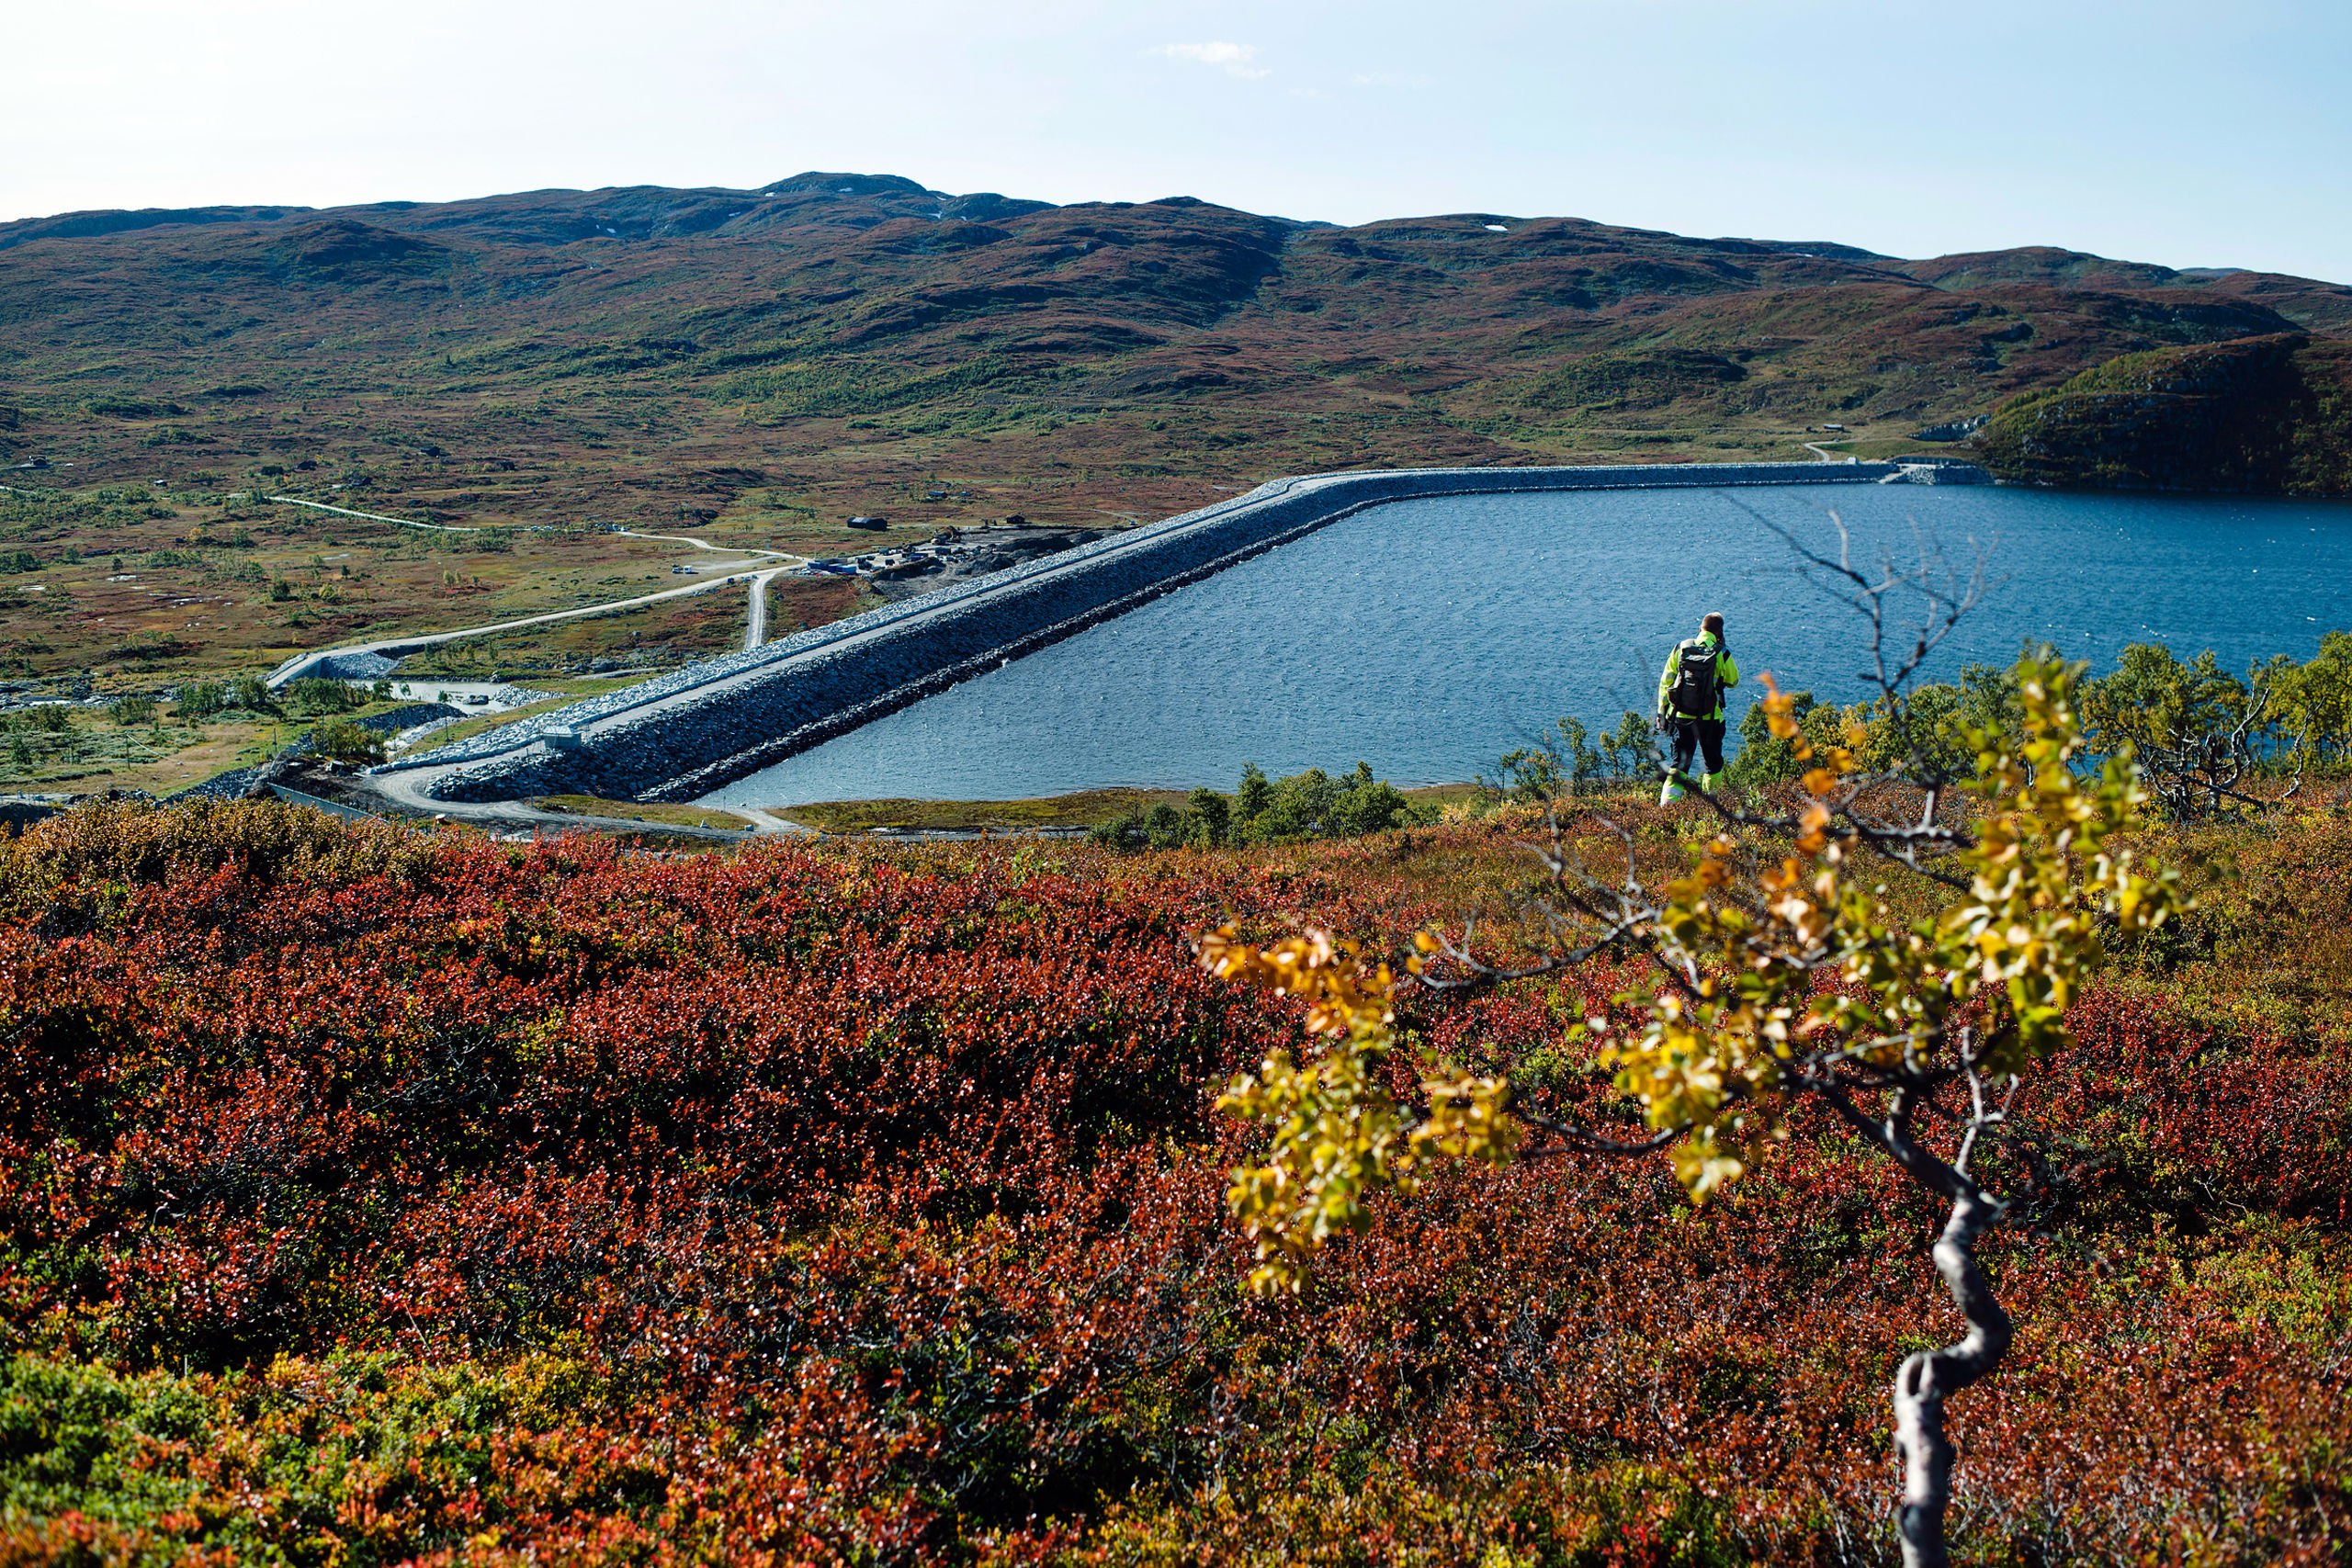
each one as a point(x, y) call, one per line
point(367, 1197)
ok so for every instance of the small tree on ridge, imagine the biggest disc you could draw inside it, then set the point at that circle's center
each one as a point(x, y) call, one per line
point(1929, 1022)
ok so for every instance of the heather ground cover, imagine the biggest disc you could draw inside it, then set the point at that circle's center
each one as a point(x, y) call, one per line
point(371, 1197)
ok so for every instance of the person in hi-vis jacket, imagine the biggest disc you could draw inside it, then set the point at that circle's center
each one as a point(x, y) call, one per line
point(1690, 704)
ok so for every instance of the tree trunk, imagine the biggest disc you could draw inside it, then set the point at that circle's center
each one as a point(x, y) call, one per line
point(1928, 1377)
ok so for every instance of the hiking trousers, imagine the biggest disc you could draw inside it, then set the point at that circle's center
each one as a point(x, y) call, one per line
point(1694, 736)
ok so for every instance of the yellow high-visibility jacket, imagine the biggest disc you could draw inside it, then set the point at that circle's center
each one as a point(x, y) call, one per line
point(1726, 674)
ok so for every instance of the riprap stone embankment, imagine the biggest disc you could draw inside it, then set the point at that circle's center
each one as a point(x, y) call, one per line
point(688, 733)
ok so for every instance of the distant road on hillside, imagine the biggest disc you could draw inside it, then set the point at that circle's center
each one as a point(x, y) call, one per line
point(755, 632)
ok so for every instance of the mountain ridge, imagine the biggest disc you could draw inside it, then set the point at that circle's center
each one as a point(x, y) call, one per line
point(694, 214)
point(768, 363)
point(1489, 313)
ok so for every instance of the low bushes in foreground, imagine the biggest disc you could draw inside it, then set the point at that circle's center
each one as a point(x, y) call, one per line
point(1310, 805)
point(367, 1197)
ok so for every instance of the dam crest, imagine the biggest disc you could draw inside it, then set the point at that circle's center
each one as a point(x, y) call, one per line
point(680, 736)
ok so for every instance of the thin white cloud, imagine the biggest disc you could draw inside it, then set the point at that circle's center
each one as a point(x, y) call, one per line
point(1233, 58)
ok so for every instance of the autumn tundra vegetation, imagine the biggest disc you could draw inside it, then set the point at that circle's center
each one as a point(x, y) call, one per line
point(1938, 1148)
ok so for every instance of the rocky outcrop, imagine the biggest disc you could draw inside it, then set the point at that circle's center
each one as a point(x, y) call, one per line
point(359, 666)
point(19, 812)
point(2270, 415)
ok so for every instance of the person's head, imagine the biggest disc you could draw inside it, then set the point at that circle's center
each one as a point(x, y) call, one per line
point(1713, 624)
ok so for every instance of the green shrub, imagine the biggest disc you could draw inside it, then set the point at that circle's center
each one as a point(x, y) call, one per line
point(1761, 760)
point(343, 742)
point(201, 699)
point(1213, 812)
point(316, 693)
point(1311, 804)
point(2314, 702)
point(83, 1438)
point(1931, 731)
point(1563, 761)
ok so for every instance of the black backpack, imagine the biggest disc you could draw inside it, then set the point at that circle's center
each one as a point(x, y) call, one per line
point(1693, 691)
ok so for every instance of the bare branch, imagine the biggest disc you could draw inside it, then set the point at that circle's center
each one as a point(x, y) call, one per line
point(1892, 1136)
point(1582, 1140)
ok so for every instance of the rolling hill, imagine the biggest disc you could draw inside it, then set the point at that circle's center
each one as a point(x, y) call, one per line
point(2270, 415)
point(764, 363)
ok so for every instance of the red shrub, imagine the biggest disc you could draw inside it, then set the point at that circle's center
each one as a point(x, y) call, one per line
point(875, 1204)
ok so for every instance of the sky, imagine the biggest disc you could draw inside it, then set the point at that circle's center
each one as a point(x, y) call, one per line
point(2189, 134)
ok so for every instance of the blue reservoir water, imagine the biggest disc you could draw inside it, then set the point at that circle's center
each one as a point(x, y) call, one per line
point(1428, 637)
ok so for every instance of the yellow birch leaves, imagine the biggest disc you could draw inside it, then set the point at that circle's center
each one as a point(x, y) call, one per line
point(1336, 1133)
point(1750, 928)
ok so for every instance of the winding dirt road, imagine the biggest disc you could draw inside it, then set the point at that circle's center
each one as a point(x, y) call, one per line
point(373, 516)
point(755, 632)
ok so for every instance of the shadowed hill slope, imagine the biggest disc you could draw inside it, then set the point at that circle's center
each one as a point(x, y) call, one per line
point(2269, 415)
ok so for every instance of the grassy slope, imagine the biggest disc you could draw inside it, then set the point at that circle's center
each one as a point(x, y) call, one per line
point(754, 367)
point(94, 751)
point(637, 811)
